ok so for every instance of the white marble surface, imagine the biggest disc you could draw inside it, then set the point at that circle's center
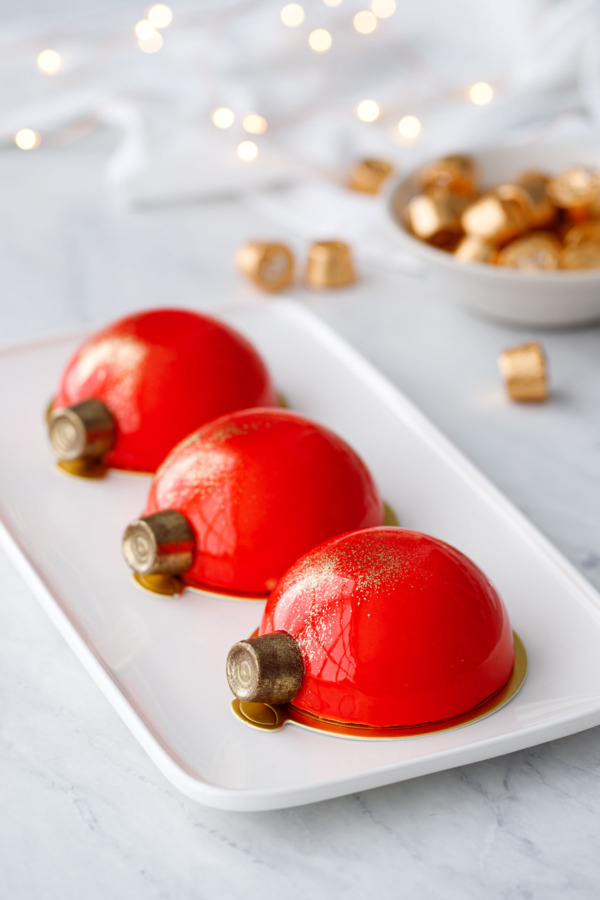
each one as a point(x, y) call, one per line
point(83, 812)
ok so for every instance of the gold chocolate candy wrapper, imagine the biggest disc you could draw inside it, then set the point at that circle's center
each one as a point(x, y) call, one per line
point(435, 217)
point(369, 176)
point(533, 253)
point(457, 174)
point(587, 232)
point(495, 219)
point(475, 249)
point(524, 371)
point(530, 192)
point(578, 191)
point(269, 266)
point(585, 255)
point(330, 265)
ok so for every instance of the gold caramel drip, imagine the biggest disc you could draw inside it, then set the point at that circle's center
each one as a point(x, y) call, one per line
point(267, 717)
point(165, 585)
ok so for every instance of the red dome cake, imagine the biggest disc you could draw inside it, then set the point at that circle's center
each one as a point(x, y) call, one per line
point(138, 387)
point(380, 629)
point(240, 500)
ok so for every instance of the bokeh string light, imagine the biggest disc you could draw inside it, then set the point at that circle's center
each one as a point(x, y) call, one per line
point(49, 62)
point(409, 128)
point(152, 43)
point(320, 40)
point(222, 117)
point(149, 39)
point(159, 15)
point(247, 151)
point(365, 22)
point(367, 110)
point(383, 9)
point(292, 15)
point(144, 29)
point(27, 139)
point(254, 124)
point(481, 93)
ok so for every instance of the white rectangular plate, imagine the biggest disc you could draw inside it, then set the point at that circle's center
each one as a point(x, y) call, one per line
point(160, 661)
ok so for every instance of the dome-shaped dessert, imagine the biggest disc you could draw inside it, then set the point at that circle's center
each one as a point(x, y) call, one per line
point(240, 500)
point(139, 386)
point(384, 628)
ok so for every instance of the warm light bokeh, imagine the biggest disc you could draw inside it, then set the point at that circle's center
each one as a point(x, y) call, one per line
point(292, 15)
point(368, 110)
point(151, 44)
point(144, 30)
point(254, 124)
point(247, 151)
point(320, 40)
point(481, 93)
point(49, 62)
point(409, 127)
point(383, 9)
point(222, 117)
point(160, 15)
point(27, 139)
point(365, 22)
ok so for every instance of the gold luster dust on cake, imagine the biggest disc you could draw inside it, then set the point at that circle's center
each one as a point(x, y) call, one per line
point(326, 587)
point(525, 372)
point(539, 222)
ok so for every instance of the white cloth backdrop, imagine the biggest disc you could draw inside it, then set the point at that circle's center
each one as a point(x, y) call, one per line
point(542, 58)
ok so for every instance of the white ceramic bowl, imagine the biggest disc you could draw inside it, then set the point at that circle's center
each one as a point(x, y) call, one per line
point(548, 299)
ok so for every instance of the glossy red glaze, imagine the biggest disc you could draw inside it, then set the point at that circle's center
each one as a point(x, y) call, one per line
point(260, 488)
point(396, 628)
point(162, 374)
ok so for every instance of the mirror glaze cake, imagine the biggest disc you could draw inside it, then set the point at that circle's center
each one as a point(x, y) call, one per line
point(383, 631)
point(240, 500)
point(135, 389)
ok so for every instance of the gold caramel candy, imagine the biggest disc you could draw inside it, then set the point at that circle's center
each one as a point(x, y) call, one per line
point(578, 191)
point(543, 211)
point(531, 193)
point(369, 176)
point(585, 255)
point(435, 216)
point(524, 371)
point(457, 174)
point(474, 249)
point(532, 253)
point(270, 266)
point(587, 232)
point(330, 265)
point(494, 219)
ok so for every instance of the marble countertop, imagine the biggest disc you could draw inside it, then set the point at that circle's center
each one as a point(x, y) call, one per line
point(83, 811)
